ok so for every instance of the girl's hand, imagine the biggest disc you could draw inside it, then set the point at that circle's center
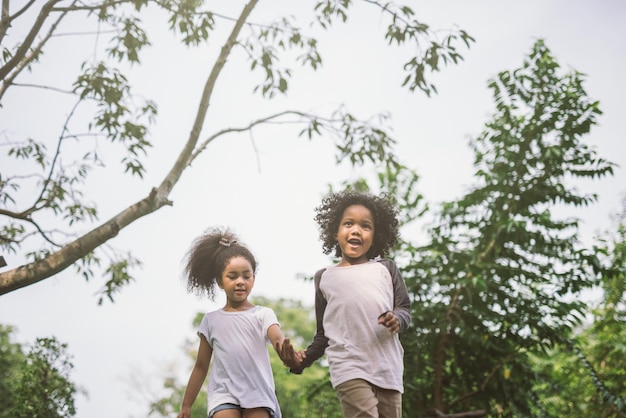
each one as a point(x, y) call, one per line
point(390, 321)
point(185, 412)
point(290, 357)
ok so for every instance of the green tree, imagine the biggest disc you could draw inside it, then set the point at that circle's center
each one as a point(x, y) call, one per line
point(309, 395)
point(44, 208)
point(586, 376)
point(35, 384)
point(502, 274)
point(11, 356)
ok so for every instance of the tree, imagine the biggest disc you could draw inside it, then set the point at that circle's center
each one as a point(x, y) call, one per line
point(501, 276)
point(586, 374)
point(35, 384)
point(10, 356)
point(49, 224)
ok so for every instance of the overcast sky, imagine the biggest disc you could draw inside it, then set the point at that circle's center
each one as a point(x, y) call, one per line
point(266, 185)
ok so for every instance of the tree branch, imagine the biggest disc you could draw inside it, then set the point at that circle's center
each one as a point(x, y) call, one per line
point(69, 254)
point(28, 40)
point(73, 8)
point(21, 60)
point(187, 154)
point(440, 356)
point(6, 18)
point(252, 124)
point(483, 385)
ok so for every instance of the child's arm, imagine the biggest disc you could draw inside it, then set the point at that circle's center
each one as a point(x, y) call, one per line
point(398, 319)
point(316, 349)
point(198, 374)
point(276, 337)
point(290, 357)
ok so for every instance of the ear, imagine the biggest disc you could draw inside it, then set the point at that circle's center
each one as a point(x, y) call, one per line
point(219, 283)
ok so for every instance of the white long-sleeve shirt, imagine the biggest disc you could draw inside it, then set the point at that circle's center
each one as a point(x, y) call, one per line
point(349, 300)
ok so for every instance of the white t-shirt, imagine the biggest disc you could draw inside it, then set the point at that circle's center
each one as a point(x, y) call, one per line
point(240, 371)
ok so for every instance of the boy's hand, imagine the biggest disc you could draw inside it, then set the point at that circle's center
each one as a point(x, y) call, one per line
point(290, 357)
point(390, 321)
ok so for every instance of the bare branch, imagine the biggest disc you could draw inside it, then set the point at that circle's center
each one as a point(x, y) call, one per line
point(28, 40)
point(21, 60)
point(57, 153)
point(42, 233)
point(6, 19)
point(39, 86)
point(74, 8)
point(248, 127)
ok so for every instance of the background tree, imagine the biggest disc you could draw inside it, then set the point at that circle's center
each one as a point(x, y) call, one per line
point(11, 356)
point(36, 383)
point(586, 376)
point(502, 274)
point(57, 167)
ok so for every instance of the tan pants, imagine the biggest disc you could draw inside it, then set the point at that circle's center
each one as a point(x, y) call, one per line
point(361, 399)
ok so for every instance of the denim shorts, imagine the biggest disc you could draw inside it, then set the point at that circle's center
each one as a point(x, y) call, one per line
point(234, 406)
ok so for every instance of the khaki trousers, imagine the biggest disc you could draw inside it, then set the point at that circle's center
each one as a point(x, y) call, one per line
point(361, 399)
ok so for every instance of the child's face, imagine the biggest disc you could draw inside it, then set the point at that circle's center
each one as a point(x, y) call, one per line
point(237, 281)
point(355, 234)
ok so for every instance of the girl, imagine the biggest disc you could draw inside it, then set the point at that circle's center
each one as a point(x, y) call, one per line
point(361, 304)
point(241, 383)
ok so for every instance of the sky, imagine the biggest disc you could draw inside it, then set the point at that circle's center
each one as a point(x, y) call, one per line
point(265, 185)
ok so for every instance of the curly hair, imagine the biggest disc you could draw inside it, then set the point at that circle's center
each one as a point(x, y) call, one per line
point(208, 256)
point(384, 212)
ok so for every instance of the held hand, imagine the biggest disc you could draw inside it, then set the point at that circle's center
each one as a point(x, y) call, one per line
point(185, 412)
point(290, 357)
point(390, 321)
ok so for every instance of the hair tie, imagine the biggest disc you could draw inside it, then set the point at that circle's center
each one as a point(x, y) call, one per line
point(227, 243)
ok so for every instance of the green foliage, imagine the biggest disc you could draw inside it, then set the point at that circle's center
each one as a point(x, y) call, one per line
point(586, 375)
point(11, 356)
point(189, 20)
point(501, 276)
point(404, 28)
point(118, 276)
point(129, 40)
point(35, 384)
point(115, 118)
